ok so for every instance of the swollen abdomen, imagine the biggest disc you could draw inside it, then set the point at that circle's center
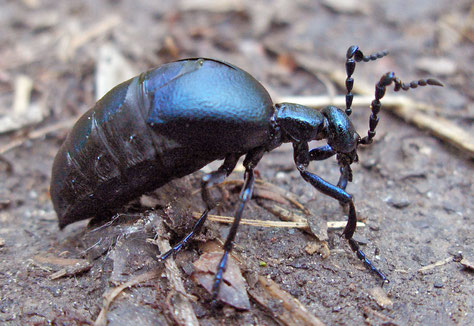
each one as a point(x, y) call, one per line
point(108, 158)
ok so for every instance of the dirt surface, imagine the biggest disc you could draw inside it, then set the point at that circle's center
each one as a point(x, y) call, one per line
point(413, 191)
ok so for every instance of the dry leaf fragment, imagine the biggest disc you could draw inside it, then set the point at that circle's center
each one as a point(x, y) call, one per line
point(284, 308)
point(233, 288)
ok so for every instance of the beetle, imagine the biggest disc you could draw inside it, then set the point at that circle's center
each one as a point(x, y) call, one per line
point(173, 120)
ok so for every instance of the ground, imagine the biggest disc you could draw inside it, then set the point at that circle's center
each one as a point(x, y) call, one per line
point(412, 188)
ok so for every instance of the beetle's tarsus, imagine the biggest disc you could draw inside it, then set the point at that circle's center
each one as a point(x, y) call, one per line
point(360, 254)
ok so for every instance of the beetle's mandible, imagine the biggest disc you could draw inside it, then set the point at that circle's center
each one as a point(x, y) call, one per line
point(171, 121)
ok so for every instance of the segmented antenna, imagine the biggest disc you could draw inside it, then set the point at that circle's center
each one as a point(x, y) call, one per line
point(354, 54)
point(380, 88)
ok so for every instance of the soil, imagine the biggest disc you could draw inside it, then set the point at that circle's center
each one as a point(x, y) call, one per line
point(413, 191)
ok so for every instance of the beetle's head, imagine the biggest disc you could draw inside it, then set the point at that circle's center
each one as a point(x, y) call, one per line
point(341, 134)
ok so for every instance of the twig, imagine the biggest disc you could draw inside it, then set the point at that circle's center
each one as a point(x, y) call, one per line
point(436, 264)
point(244, 221)
point(110, 296)
point(38, 133)
point(102, 27)
point(272, 224)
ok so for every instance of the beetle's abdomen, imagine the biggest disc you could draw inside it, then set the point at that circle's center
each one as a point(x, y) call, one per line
point(110, 157)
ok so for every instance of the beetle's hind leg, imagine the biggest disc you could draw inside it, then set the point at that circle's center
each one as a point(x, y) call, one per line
point(207, 181)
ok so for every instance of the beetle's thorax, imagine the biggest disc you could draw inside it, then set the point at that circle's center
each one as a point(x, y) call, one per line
point(298, 123)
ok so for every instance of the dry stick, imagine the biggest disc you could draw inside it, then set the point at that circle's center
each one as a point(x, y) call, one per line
point(272, 224)
point(38, 133)
point(100, 28)
point(436, 264)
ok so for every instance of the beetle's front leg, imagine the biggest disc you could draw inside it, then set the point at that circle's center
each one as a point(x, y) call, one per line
point(321, 153)
point(325, 152)
point(301, 156)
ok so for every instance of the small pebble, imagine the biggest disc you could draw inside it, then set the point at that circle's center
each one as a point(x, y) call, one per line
point(336, 309)
point(398, 202)
point(438, 284)
point(437, 66)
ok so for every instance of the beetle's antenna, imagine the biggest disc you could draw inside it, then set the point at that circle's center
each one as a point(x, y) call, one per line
point(354, 54)
point(375, 106)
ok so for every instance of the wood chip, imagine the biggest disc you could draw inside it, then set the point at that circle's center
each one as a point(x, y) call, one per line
point(58, 261)
point(221, 6)
point(281, 305)
point(24, 113)
point(77, 268)
point(112, 68)
point(347, 6)
point(321, 247)
point(70, 266)
point(467, 264)
point(381, 297)
point(437, 66)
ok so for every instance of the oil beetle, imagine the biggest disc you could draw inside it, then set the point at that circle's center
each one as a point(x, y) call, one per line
point(171, 121)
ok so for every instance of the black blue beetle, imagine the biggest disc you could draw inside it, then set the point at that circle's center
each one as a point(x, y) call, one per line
point(171, 121)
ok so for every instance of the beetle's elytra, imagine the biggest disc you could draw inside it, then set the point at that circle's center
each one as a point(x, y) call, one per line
point(173, 120)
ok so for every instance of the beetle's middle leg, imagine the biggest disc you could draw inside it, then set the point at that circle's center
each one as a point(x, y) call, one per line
point(301, 156)
point(207, 181)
